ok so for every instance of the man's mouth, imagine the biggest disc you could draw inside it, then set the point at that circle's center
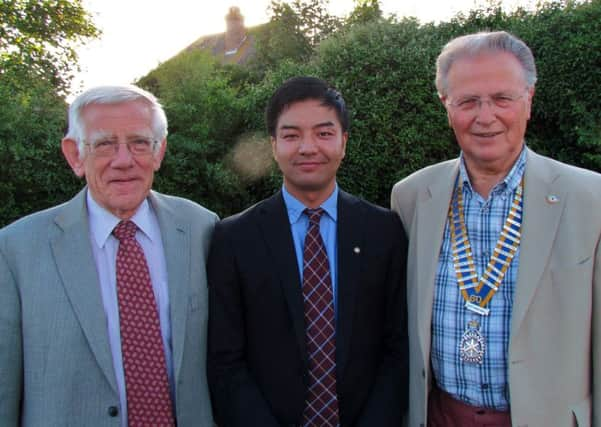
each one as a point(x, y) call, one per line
point(486, 134)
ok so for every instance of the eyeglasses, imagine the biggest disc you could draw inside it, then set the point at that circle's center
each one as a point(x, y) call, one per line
point(110, 148)
point(473, 104)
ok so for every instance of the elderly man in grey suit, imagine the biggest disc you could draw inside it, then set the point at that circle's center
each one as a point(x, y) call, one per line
point(504, 270)
point(104, 298)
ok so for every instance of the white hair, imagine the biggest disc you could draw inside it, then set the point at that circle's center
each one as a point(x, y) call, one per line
point(476, 44)
point(114, 95)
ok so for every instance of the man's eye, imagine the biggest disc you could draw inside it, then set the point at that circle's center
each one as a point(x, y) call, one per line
point(289, 136)
point(103, 144)
point(140, 142)
point(467, 103)
point(325, 134)
point(502, 100)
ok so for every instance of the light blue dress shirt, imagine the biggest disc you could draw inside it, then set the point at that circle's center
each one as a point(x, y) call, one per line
point(484, 385)
point(299, 223)
point(104, 247)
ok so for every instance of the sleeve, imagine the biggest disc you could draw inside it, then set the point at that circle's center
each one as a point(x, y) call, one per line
point(236, 398)
point(11, 347)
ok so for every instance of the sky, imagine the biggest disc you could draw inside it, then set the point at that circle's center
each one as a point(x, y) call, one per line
point(137, 35)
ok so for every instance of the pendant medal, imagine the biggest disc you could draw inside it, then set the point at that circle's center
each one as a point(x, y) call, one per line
point(477, 291)
point(472, 344)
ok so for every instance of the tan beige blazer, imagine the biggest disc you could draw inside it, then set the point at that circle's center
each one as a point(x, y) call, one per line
point(555, 345)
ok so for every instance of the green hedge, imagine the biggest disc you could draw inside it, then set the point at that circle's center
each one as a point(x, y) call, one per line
point(219, 154)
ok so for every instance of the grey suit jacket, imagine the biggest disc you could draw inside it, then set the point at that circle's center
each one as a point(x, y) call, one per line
point(555, 344)
point(55, 360)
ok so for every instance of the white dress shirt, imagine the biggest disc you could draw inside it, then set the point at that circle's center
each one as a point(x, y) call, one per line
point(104, 247)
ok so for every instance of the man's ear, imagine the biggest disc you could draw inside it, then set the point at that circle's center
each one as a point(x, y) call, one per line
point(344, 141)
point(529, 95)
point(71, 153)
point(158, 157)
point(443, 99)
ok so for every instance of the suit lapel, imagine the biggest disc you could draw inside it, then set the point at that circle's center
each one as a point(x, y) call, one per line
point(350, 235)
point(175, 235)
point(539, 226)
point(275, 228)
point(75, 263)
point(430, 217)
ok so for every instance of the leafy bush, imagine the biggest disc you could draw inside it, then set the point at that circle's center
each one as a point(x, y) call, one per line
point(34, 173)
point(385, 72)
point(219, 153)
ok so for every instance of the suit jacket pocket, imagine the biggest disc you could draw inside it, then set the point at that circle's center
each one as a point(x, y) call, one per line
point(582, 413)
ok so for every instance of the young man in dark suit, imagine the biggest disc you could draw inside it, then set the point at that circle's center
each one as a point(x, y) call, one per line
point(307, 288)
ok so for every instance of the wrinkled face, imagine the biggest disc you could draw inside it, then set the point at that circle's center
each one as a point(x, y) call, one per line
point(308, 146)
point(118, 182)
point(491, 134)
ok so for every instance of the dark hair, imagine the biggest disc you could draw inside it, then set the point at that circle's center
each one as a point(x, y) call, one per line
point(299, 89)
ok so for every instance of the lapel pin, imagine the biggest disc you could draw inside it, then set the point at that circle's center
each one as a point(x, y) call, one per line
point(357, 249)
point(552, 198)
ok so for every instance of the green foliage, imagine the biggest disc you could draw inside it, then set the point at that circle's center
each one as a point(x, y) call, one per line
point(205, 121)
point(219, 154)
point(566, 122)
point(38, 40)
point(385, 73)
point(34, 172)
point(293, 31)
point(315, 23)
point(37, 56)
point(365, 11)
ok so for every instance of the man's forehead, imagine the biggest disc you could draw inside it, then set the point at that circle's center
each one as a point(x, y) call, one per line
point(138, 104)
point(325, 115)
point(494, 71)
point(125, 117)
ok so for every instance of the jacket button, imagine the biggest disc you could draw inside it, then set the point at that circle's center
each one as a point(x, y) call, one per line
point(423, 373)
point(113, 411)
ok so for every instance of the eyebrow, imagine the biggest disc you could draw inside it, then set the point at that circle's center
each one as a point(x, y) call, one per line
point(499, 92)
point(106, 135)
point(318, 125)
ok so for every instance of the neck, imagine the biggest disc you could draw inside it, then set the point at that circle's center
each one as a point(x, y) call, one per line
point(483, 184)
point(311, 199)
point(484, 176)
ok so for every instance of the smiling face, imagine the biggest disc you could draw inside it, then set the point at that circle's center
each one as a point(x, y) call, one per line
point(119, 183)
point(490, 138)
point(308, 146)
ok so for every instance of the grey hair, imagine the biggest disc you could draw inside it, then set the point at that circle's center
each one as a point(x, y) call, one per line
point(472, 45)
point(114, 95)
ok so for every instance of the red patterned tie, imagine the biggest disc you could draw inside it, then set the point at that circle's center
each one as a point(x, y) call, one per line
point(321, 407)
point(146, 383)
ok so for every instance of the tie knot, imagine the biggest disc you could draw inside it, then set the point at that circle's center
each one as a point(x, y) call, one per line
point(125, 230)
point(314, 215)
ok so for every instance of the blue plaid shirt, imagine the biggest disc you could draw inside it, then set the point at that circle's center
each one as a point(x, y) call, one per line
point(482, 385)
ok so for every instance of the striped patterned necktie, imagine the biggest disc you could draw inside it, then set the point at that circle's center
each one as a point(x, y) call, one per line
point(321, 407)
point(146, 383)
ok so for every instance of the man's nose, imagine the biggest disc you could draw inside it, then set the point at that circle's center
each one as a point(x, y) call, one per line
point(486, 111)
point(123, 154)
point(307, 145)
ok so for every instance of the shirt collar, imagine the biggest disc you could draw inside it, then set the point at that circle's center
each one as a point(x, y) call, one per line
point(295, 207)
point(509, 183)
point(102, 222)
